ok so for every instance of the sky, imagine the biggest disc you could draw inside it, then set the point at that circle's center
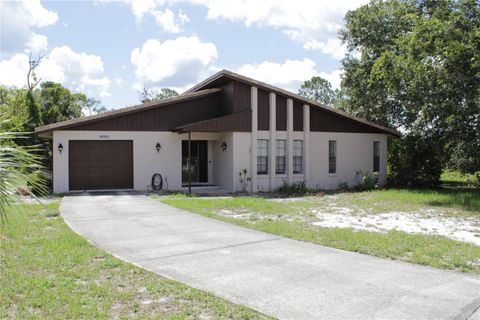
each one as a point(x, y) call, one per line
point(110, 50)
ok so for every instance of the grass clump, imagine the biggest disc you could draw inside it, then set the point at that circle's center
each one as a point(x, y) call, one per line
point(298, 188)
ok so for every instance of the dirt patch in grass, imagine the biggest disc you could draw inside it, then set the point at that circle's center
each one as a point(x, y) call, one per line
point(458, 228)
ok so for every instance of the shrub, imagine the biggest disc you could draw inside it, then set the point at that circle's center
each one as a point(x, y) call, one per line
point(244, 180)
point(298, 188)
point(343, 186)
point(368, 181)
point(414, 161)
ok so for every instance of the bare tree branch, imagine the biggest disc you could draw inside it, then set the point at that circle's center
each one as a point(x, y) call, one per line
point(32, 80)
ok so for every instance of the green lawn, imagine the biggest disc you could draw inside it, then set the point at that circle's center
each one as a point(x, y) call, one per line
point(455, 202)
point(454, 178)
point(47, 271)
point(293, 219)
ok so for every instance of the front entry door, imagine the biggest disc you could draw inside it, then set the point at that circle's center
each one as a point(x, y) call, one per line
point(199, 161)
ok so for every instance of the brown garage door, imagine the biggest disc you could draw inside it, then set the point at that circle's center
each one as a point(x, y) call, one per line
point(97, 165)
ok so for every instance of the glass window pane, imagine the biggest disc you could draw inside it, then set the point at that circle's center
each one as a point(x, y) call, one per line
point(280, 165)
point(297, 156)
point(332, 156)
point(262, 156)
point(297, 148)
point(262, 148)
point(376, 156)
point(281, 147)
point(280, 159)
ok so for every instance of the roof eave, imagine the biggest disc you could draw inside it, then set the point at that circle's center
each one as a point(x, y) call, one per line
point(123, 111)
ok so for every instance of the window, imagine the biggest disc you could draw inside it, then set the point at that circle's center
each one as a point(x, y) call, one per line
point(332, 156)
point(262, 156)
point(297, 156)
point(281, 157)
point(376, 156)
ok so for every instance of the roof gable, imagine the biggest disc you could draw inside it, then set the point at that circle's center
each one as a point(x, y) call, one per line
point(219, 82)
point(224, 76)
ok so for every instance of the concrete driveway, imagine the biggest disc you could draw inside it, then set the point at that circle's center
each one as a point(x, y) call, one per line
point(280, 277)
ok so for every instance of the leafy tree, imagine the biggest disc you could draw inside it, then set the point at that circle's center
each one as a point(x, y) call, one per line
point(148, 95)
point(320, 90)
point(12, 106)
point(415, 66)
point(92, 106)
point(58, 103)
point(411, 162)
point(33, 112)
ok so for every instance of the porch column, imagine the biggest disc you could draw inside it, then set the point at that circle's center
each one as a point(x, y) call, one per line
point(289, 140)
point(306, 144)
point(253, 145)
point(273, 138)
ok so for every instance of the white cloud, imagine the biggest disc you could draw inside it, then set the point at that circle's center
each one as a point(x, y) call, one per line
point(333, 47)
point(37, 43)
point(172, 63)
point(305, 21)
point(168, 21)
point(335, 77)
point(288, 75)
point(141, 7)
point(77, 71)
point(13, 72)
point(313, 24)
point(164, 17)
point(18, 18)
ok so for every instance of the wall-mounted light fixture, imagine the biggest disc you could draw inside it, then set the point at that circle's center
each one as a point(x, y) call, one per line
point(158, 146)
point(223, 146)
point(60, 147)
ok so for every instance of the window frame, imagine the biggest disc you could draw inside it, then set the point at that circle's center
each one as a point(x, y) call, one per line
point(332, 156)
point(376, 156)
point(297, 158)
point(262, 160)
point(281, 159)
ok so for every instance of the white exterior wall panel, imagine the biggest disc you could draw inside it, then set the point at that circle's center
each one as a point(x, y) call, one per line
point(223, 161)
point(146, 159)
point(354, 153)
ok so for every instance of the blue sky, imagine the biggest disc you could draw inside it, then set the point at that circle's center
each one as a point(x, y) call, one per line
point(111, 49)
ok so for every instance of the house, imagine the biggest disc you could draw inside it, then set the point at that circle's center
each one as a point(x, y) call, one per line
point(233, 123)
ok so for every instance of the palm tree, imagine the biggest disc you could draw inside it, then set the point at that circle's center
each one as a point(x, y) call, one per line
point(20, 168)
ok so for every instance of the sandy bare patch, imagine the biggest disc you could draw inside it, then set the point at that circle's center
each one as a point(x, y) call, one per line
point(287, 200)
point(235, 214)
point(458, 228)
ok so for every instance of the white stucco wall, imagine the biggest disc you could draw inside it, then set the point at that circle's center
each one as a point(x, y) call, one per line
point(354, 152)
point(241, 158)
point(146, 159)
point(223, 161)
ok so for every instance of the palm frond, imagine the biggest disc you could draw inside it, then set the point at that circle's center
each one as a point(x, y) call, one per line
point(21, 169)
